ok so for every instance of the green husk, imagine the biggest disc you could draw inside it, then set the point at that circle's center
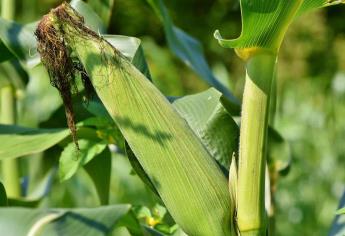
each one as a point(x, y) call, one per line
point(185, 175)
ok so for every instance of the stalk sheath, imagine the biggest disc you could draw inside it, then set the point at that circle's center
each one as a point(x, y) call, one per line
point(7, 9)
point(251, 216)
point(9, 166)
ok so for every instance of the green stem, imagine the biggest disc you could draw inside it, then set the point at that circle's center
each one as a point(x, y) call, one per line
point(10, 172)
point(9, 166)
point(8, 9)
point(251, 216)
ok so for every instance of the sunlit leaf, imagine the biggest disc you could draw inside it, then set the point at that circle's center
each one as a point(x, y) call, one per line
point(211, 122)
point(71, 158)
point(16, 141)
point(308, 5)
point(264, 23)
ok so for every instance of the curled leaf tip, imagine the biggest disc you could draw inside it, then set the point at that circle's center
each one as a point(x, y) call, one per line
point(226, 43)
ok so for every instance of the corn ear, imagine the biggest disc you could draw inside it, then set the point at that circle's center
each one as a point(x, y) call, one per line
point(186, 177)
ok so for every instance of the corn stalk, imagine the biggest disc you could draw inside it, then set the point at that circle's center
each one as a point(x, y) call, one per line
point(10, 170)
point(264, 24)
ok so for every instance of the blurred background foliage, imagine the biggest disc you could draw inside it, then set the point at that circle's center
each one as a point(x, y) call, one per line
point(310, 109)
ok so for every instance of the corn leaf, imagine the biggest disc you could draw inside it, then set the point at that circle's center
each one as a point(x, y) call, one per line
point(89, 222)
point(187, 178)
point(211, 123)
point(264, 22)
point(188, 49)
point(99, 170)
point(71, 159)
point(308, 5)
point(16, 141)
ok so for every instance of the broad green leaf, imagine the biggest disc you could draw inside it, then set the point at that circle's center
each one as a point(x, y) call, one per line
point(3, 196)
point(104, 9)
point(211, 123)
point(71, 158)
point(92, 19)
point(99, 170)
point(16, 141)
point(264, 23)
point(188, 49)
point(88, 222)
point(308, 5)
point(187, 178)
